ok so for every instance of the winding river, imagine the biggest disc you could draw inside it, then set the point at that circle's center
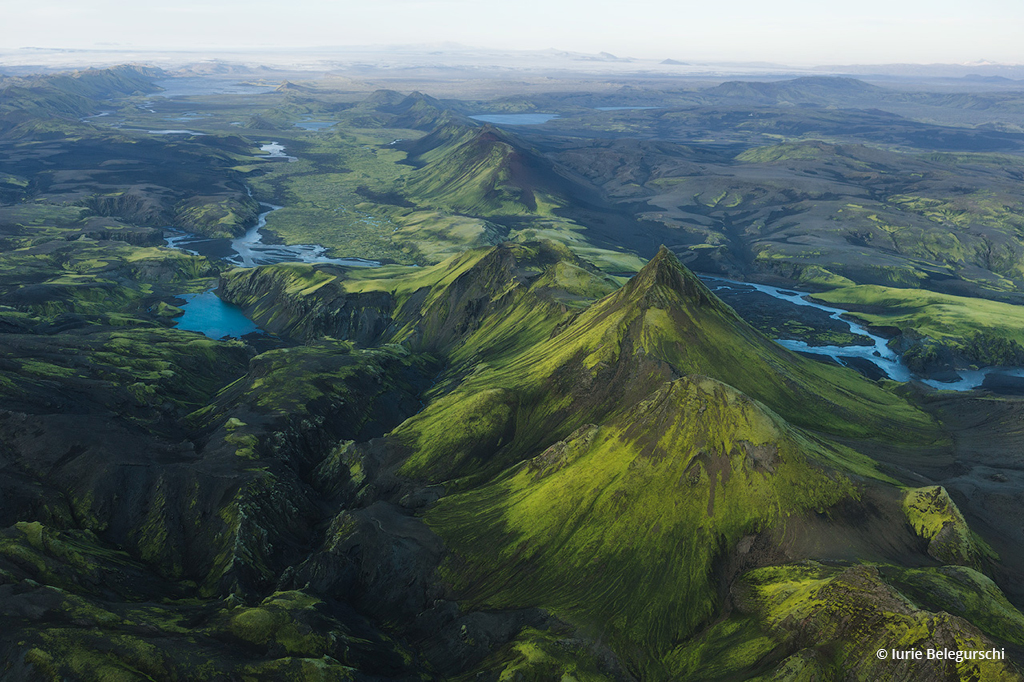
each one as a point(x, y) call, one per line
point(248, 251)
point(877, 353)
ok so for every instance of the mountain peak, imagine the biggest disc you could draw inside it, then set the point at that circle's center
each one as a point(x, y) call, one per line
point(288, 86)
point(383, 97)
point(489, 134)
point(663, 275)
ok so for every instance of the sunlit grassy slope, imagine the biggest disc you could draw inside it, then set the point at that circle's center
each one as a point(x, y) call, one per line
point(486, 172)
point(663, 324)
point(606, 471)
point(617, 527)
point(608, 462)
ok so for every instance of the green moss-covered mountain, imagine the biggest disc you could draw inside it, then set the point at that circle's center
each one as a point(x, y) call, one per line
point(501, 465)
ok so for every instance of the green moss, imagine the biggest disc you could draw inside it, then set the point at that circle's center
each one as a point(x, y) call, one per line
point(483, 174)
point(100, 278)
point(240, 540)
point(574, 285)
point(730, 648)
point(275, 621)
point(246, 444)
point(621, 537)
point(459, 429)
point(43, 664)
point(839, 617)
point(321, 193)
point(47, 549)
point(122, 658)
point(45, 369)
point(322, 669)
point(168, 311)
point(72, 560)
point(935, 517)
point(806, 665)
point(432, 236)
point(153, 536)
point(542, 655)
point(938, 316)
point(987, 349)
point(964, 592)
point(785, 152)
point(256, 626)
point(225, 217)
point(820, 276)
point(33, 532)
point(289, 381)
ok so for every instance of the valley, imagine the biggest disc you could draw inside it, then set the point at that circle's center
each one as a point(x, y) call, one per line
point(501, 401)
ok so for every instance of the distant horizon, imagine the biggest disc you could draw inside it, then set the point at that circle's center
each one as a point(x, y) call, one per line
point(789, 32)
point(411, 51)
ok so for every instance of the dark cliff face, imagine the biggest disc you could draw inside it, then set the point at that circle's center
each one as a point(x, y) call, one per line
point(268, 297)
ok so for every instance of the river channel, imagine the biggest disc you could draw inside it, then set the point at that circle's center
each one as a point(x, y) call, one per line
point(877, 353)
point(209, 314)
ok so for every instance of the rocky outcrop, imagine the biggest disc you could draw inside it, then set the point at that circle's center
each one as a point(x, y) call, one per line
point(936, 519)
point(848, 623)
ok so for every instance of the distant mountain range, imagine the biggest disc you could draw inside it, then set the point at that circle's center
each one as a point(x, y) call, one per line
point(451, 56)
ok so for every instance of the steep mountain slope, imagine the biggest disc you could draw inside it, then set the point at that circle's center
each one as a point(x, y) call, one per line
point(619, 524)
point(635, 531)
point(631, 525)
point(662, 325)
point(603, 488)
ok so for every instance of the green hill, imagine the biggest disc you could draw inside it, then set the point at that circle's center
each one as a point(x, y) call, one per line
point(662, 325)
point(69, 95)
point(813, 89)
point(487, 172)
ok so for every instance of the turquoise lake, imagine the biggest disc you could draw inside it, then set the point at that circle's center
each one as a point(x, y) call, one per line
point(207, 314)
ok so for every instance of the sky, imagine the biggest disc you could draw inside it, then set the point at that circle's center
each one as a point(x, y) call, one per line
point(795, 32)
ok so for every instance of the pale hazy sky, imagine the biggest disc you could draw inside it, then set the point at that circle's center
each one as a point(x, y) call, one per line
point(789, 31)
